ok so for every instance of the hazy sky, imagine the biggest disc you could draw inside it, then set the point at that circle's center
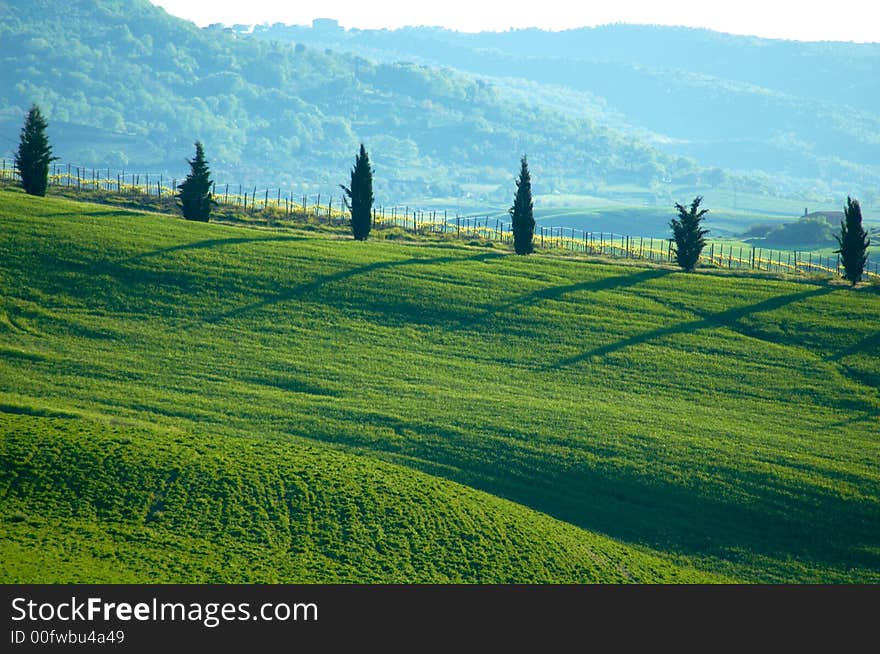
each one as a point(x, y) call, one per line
point(807, 20)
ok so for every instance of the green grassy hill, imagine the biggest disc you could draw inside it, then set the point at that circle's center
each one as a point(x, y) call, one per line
point(190, 402)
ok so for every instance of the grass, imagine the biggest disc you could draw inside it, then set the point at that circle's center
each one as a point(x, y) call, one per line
point(189, 402)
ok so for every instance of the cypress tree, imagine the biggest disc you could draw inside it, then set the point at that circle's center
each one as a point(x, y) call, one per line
point(853, 241)
point(521, 215)
point(360, 196)
point(195, 200)
point(689, 241)
point(34, 153)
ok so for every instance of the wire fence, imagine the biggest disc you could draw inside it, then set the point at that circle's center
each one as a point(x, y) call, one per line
point(640, 247)
point(278, 204)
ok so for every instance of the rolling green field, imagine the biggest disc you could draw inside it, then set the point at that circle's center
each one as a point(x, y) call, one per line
point(187, 402)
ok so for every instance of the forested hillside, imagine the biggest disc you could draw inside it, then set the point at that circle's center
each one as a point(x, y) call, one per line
point(126, 85)
point(805, 113)
point(645, 115)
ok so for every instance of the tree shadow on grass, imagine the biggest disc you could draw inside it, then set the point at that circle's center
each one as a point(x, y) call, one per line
point(556, 292)
point(870, 419)
point(870, 341)
point(728, 318)
point(867, 377)
point(316, 284)
point(770, 525)
point(208, 243)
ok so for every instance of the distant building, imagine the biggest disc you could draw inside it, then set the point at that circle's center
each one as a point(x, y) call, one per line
point(326, 25)
point(833, 217)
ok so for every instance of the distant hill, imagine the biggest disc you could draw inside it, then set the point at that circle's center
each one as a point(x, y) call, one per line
point(126, 85)
point(797, 111)
point(833, 217)
point(638, 114)
point(815, 230)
